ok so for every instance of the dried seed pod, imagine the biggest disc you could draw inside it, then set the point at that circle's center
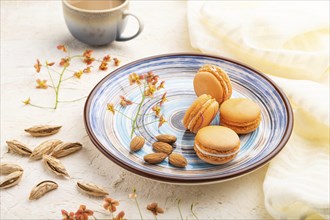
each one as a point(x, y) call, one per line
point(154, 158)
point(91, 189)
point(177, 160)
point(167, 138)
point(45, 147)
point(65, 149)
point(42, 188)
point(55, 165)
point(43, 130)
point(18, 148)
point(11, 180)
point(137, 143)
point(7, 168)
point(162, 147)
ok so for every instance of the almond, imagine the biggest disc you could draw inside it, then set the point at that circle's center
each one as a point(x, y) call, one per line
point(137, 143)
point(162, 147)
point(167, 138)
point(155, 158)
point(177, 160)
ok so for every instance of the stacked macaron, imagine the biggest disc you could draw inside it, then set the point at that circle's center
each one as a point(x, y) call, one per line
point(219, 144)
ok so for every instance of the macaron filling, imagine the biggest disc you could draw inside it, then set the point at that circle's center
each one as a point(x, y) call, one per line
point(241, 124)
point(220, 154)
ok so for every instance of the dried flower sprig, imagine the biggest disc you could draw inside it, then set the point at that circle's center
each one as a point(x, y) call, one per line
point(134, 196)
point(148, 85)
point(86, 57)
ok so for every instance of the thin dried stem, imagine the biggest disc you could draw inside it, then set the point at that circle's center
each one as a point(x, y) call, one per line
point(179, 200)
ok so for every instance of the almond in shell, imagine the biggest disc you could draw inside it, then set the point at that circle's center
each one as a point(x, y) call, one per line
point(7, 168)
point(65, 149)
point(55, 165)
point(11, 180)
point(45, 147)
point(91, 189)
point(42, 188)
point(177, 160)
point(18, 148)
point(43, 130)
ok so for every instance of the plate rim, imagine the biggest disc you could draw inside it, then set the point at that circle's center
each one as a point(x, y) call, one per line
point(182, 180)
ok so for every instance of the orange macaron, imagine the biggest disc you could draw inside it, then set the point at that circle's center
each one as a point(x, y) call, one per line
point(216, 144)
point(200, 113)
point(214, 81)
point(240, 114)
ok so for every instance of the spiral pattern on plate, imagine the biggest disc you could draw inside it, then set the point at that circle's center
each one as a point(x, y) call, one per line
point(111, 133)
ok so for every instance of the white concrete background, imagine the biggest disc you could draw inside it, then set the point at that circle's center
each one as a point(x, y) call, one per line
point(32, 29)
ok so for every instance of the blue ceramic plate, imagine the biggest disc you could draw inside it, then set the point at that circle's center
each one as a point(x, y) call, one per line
point(111, 133)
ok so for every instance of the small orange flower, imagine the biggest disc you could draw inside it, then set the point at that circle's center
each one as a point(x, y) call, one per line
point(149, 92)
point(151, 78)
point(87, 69)
point(133, 195)
point(37, 66)
point(83, 213)
point(117, 61)
point(161, 121)
point(88, 53)
point(161, 85)
point(110, 204)
point(89, 60)
point(120, 216)
point(106, 58)
point(41, 84)
point(65, 62)
point(154, 80)
point(50, 64)
point(78, 74)
point(155, 209)
point(134, 78)
point(156, 110)
point(125, 102)
point(62, 47)
point(111, 108)
point(67, 216)
point(103, 66)
point(27, 101)
point(163, 99)
point(149, 75)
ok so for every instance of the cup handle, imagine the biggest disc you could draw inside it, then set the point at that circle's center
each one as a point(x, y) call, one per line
point(137, 33)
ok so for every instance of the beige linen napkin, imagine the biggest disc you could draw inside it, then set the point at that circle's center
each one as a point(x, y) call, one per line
point(290, 42)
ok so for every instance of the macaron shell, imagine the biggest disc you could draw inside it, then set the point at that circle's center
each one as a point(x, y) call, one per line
point(214, 160)
point(206, 117)
point(207, 83)
point(194, 108)
point(240, 110)
point(217, 138)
